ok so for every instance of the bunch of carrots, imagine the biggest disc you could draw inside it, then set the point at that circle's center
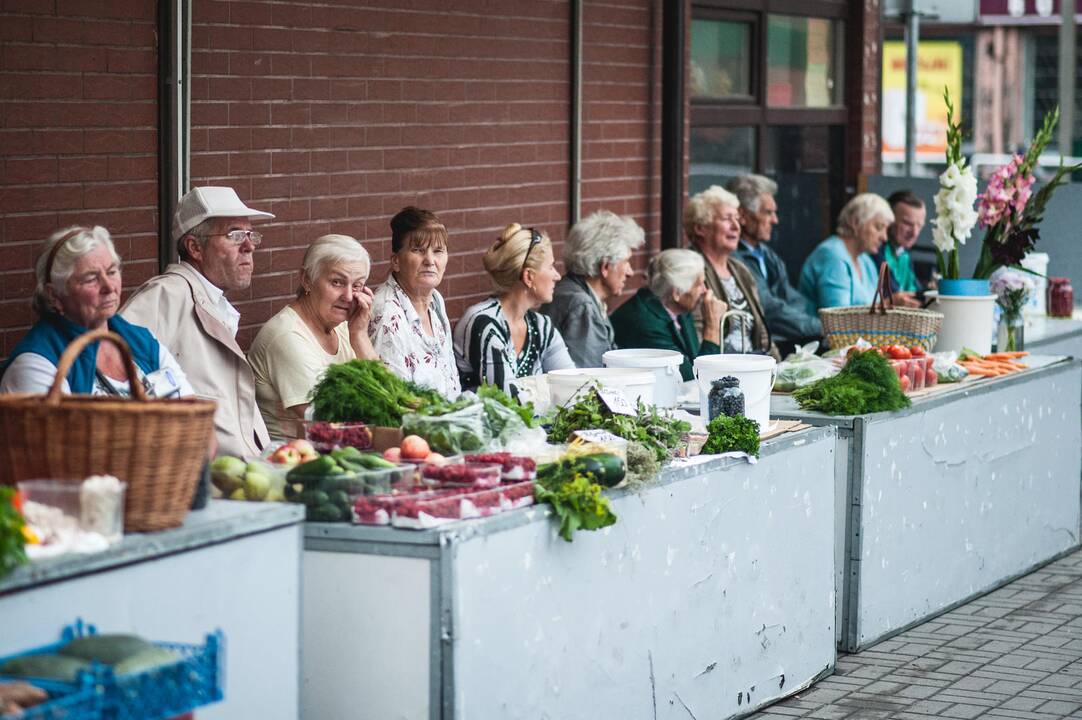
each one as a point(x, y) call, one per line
point(994, 364)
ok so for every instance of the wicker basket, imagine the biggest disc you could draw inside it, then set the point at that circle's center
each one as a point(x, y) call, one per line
point(880, 323)
point(157, 446)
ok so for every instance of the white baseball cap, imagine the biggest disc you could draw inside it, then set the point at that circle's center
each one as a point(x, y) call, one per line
point(202, 203)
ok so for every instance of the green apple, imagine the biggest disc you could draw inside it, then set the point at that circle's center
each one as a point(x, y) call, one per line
point(237, 494)
point(256, 485)
point(227, 473)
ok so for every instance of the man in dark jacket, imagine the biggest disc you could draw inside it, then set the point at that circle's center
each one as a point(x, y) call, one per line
point(783, 305)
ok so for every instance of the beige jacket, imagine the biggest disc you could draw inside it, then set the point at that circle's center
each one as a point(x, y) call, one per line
point(760, 339)
point(176, 308)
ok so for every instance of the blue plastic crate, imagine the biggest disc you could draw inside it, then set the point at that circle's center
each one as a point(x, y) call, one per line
point(194, 680)
point(67, 701)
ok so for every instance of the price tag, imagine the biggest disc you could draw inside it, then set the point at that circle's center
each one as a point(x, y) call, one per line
point(615, 401)
point(601, 437)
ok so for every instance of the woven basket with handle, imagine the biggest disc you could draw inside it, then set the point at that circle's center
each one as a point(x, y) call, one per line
point(157, 446)
point(880, 323)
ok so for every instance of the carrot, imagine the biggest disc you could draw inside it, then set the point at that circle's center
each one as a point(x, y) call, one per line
point(1005, 355)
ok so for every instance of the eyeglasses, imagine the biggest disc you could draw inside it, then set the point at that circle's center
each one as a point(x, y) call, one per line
point(535, 239)
point(237, 237)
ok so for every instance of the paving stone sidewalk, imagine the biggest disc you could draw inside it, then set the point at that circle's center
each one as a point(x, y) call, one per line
point(1014, 653)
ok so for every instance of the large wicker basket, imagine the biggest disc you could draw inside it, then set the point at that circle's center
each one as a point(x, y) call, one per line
point(881, 323)
point(156, 446)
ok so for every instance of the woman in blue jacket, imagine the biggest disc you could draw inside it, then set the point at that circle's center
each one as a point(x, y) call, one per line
point(840, 272)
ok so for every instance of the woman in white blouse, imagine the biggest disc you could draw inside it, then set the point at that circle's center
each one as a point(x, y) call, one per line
point(409, 327)
point(324, 326)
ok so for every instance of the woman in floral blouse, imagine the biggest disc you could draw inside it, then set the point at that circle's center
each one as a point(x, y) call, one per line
point(409, 327)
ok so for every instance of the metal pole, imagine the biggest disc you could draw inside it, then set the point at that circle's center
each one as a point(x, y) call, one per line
point(912, 42)
point(672, 121)
point(576, 111)
point(1066, 77)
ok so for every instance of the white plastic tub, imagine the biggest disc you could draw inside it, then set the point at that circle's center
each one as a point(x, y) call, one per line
point(664, 364)
point(968, 322)
point(756, 374)
point(635, 384)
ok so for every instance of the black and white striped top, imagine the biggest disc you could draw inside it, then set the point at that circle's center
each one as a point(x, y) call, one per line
point(485, 353)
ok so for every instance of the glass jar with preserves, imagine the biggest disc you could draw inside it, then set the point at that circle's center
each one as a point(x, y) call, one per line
point(726, 397)
point(1060, 297)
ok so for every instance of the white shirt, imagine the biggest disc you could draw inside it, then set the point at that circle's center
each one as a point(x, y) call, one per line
point(403, 345)
point(225, 311)
point(32, 373)
point(287, 361)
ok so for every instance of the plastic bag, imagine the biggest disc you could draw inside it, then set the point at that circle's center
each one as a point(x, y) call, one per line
point(803, 353)
point(793, 375)
point(464, 430)
point(947, 368)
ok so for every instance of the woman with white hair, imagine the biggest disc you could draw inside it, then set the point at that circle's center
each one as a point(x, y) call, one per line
point(659, 316)
point(77, 290)
point(840, 272)
point(325, 325)
point(504, 337)
point(597, 258)
point(712, 226)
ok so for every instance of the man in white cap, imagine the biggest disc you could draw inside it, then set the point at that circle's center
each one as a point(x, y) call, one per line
point(186, 308)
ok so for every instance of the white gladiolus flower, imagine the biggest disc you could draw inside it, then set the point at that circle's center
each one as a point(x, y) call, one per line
point(955, 216)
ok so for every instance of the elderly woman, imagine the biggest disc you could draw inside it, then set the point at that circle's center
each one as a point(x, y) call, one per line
point(660, 315)
point(504, 337)
point(597, 256)
point(712, 226)
point(326, 324)
point(78, 289)
point(840, 272)
point(409, 327)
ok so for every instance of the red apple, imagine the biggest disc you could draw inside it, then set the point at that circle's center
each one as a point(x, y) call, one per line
point(286, 455)
point(436, 459)
point(414, 447)
point(303, 446)
point(393, 454)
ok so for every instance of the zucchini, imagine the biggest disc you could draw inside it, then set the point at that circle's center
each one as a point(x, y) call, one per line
point(325, 513)
point(48, 667)
point(605, 468)
point(108, 648)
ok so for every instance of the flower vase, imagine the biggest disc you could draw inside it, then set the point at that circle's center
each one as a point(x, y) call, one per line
point(1011, 334)
point(968, 309)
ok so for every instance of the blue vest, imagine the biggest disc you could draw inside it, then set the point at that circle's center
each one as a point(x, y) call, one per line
point(52, 334)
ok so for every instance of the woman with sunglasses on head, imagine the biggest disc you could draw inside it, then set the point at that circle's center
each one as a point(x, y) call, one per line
point(409, 327)
point(325, 325)
point(504, 337)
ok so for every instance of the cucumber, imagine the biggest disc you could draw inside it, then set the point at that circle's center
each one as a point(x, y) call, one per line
point(325, 513)
point(313, 498)
point(605, 468)
point(371, 461)
point(107, 648)
point(50, 667)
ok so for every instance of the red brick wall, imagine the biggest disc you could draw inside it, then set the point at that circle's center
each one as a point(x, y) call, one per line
point(335, 117)
point(78, 138)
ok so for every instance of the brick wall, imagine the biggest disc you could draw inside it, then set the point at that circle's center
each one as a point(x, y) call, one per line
point(78, 139)
point(334, 117)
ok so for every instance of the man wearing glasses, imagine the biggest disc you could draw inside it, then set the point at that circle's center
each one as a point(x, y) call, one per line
point(187, 309)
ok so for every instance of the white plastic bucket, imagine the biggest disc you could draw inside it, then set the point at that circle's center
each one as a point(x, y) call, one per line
point(968, 322)
point(756, 374)
point(635, 384)
point(665, 364)
point(1037, 305)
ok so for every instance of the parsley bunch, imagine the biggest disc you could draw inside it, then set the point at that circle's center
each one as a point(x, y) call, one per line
point(578, 503)
point(728, 434)
point(661, 434)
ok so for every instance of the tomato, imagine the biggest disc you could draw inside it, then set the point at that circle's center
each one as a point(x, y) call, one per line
point(899, 352)
point(930, 378)
point(917, 351)
point(904, 380)
point(17, 499)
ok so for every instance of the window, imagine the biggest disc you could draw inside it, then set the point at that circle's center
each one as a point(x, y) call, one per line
point(766, 84)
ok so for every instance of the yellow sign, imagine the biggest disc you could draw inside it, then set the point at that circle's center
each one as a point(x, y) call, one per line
point(939, 64)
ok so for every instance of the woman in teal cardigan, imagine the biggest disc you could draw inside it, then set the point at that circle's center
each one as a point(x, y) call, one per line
point(840, 272)
point(659, 315)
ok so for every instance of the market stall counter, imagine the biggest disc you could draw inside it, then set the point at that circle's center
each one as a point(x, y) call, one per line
point(233, 567)
point(712, 596)
point(1054, 336)
point(970, 487)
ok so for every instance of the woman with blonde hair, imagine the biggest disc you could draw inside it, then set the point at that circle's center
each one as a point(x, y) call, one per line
point(504, 337)
point(840, 271)
point(326, 324)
